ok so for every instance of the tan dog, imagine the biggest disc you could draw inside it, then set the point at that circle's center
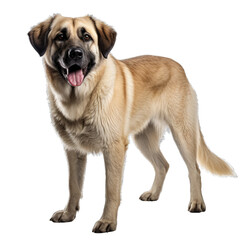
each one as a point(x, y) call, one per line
point(96, 102)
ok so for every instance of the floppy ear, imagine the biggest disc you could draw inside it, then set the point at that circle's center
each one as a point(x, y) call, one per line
point(106, 36)
point(38, 36)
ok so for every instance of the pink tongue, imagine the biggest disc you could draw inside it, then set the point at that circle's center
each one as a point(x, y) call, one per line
point(76, 78)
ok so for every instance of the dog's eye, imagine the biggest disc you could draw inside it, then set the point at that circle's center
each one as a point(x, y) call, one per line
point(86, 37)
point(60, 37)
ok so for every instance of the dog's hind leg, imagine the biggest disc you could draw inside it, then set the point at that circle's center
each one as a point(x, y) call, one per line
point(148, 142)
point(186, 142)
point(183, 121)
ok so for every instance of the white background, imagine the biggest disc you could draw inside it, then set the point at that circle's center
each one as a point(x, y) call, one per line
point(203, 36)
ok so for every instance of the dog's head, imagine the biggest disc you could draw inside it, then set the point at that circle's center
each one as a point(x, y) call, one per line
point(72, 46)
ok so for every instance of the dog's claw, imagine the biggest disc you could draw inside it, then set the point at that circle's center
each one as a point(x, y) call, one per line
point(103, 226)
point(63, 216)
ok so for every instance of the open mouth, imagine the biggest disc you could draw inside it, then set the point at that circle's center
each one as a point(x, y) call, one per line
point(74, 75)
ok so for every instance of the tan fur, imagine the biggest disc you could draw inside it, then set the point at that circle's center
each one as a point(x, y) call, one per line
point(140, 96)
point(210, 161)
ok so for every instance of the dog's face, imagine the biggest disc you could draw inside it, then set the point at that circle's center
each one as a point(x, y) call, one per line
point(72, 46)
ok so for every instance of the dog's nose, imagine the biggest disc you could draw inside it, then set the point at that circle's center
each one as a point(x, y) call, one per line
point(75, 53)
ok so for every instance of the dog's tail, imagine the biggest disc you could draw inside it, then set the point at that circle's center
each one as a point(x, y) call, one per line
point(210, 161)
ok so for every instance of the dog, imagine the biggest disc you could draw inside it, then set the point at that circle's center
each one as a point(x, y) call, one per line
point(97, 101)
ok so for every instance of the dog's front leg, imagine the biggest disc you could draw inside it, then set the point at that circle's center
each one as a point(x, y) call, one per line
point(114, 162)
point(77, 165)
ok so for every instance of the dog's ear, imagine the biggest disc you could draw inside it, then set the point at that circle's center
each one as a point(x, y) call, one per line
point(106, 36)
point(38, 35)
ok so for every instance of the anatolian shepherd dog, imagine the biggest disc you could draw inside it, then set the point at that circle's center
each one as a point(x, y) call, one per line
point(97, 101)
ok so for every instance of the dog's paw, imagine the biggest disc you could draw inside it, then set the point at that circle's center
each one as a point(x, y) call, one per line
point(149, 196)
point(103, 226)
point(196, 206)
point(63, 216)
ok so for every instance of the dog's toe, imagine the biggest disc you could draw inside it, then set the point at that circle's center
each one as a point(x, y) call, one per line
point(196, 206)
point(63, 216)
point(148, 196)
point(103, 226)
